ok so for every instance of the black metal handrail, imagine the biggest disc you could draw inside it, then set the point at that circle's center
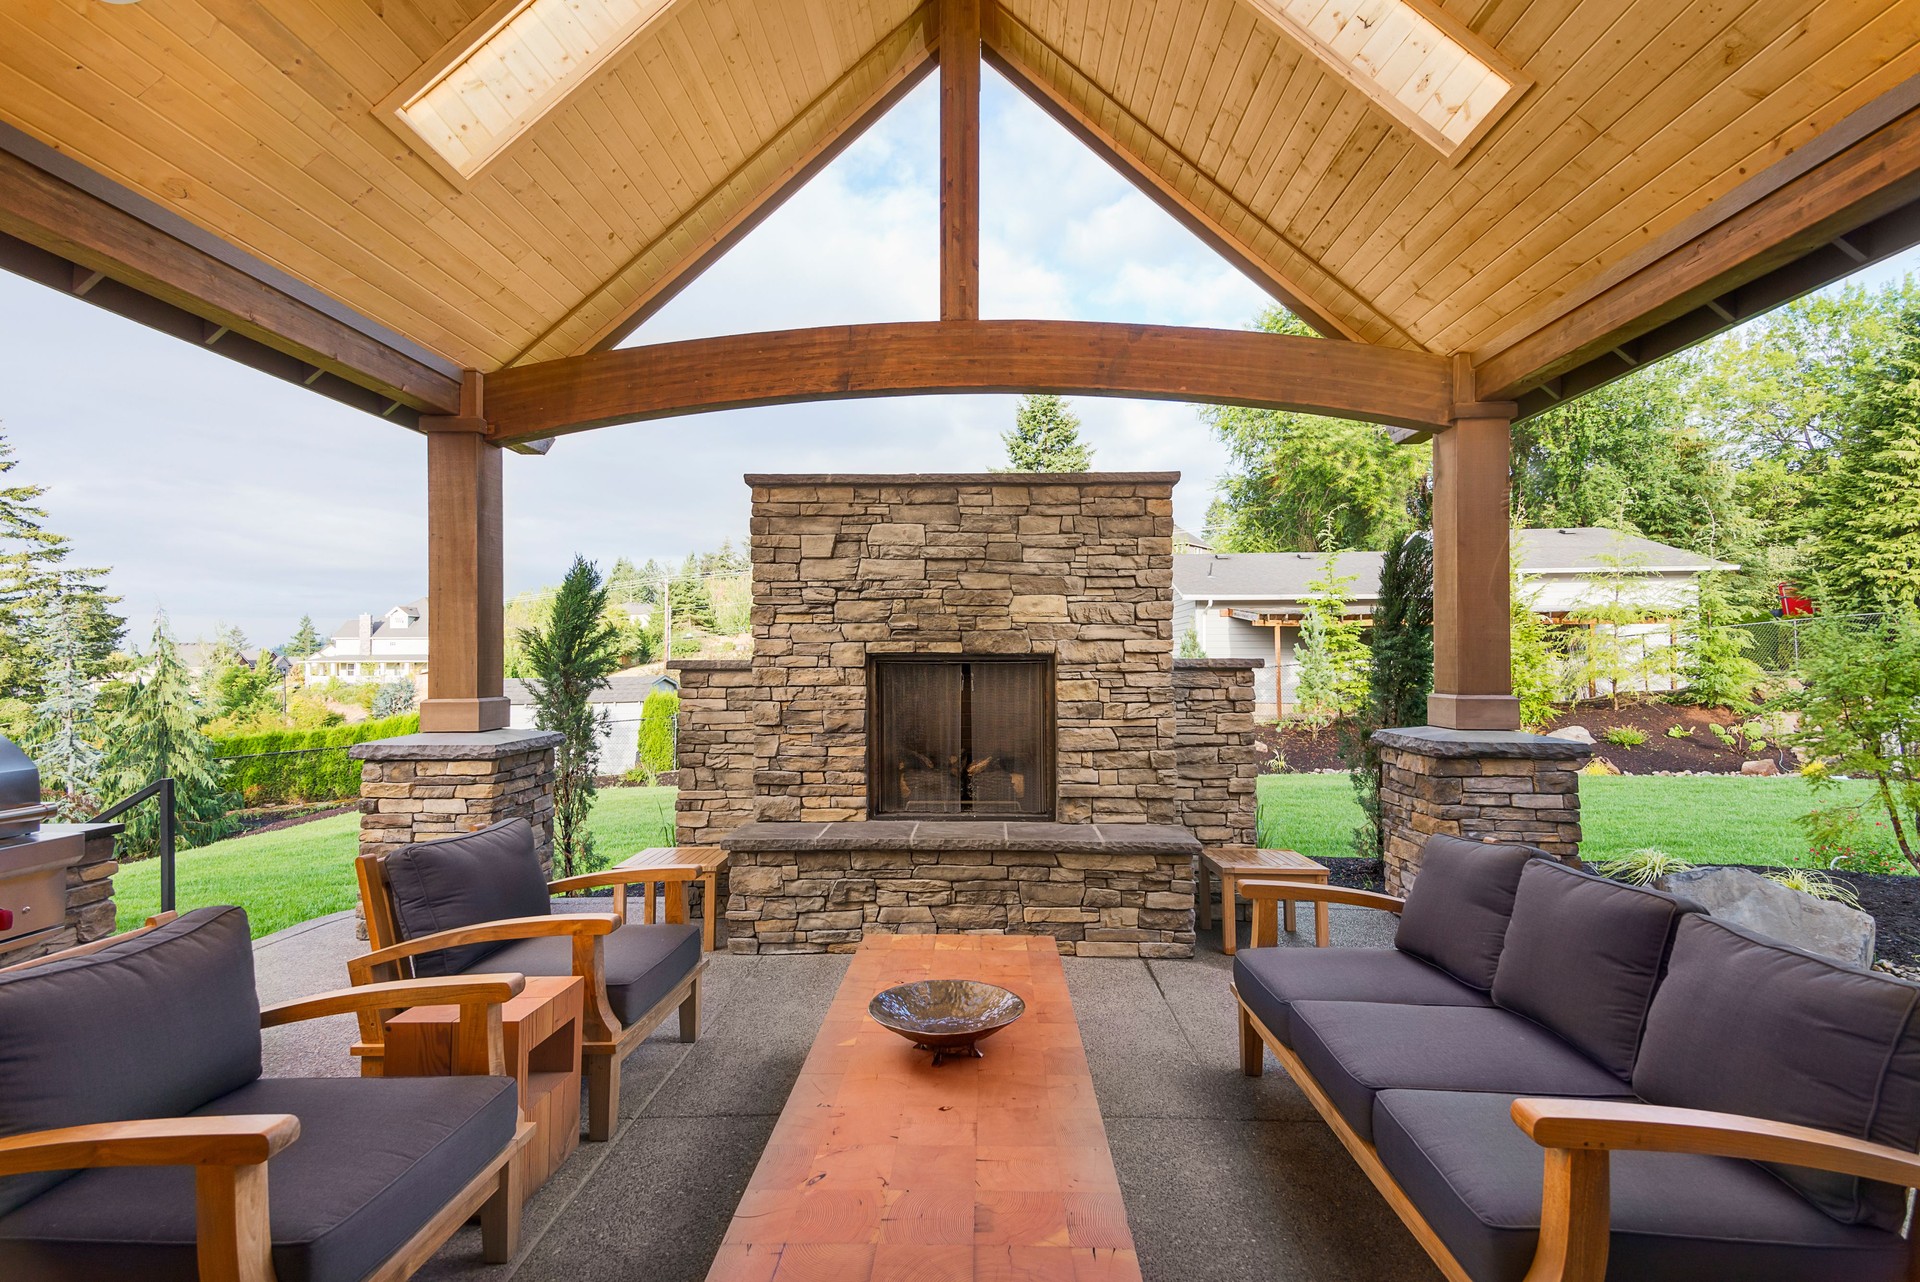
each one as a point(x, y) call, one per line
point(163, 788)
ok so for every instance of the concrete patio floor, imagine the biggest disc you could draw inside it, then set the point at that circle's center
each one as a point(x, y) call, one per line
point(1225, 1177)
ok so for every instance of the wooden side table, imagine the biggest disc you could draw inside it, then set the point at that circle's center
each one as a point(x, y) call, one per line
point(1235, 864)
point(542, 1028)
point(676, 866)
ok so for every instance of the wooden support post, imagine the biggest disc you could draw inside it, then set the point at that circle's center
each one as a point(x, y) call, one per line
point(465, 590)
point(959, 159)
point(1472, 587)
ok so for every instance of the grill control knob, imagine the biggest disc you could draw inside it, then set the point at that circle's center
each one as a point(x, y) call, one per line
point(6, 919)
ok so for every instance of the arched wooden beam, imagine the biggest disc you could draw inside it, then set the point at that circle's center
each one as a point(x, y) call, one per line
point(1158, 362)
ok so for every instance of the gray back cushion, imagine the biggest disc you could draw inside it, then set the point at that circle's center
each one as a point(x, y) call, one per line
point(476, 877)
point(154, 1026)
point(1456, 913)
point(1583, 958)
point(1743, 1024)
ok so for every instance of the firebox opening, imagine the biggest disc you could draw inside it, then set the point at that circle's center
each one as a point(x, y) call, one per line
point(960, 737)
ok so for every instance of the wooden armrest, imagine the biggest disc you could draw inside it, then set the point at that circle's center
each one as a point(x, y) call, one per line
point(623, 877)
point(243, 1140)
point(1314, 892)
point(455, 990)
point(1601, 1124)
point(488, 932)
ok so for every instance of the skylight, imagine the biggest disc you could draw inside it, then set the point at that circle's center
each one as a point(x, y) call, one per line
point(1423, 67)
point(507, 71)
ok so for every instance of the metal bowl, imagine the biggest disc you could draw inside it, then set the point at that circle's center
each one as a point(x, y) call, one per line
point(946, 1016)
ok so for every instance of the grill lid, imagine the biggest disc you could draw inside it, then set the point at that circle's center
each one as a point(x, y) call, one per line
point(20, 807)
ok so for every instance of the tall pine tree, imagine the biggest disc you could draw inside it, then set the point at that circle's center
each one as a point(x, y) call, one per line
point(65, 742)
point(570, 658)
point(1045, 438)
point(158, 736)
point(1867, 548)
point(1402, 675)
point(305, 641)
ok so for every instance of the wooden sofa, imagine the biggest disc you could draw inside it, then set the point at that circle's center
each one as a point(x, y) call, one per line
point(139, 1140)
point(1557, 1078)
point(479, 902)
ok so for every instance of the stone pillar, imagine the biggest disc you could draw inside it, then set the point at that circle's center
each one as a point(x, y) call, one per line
point(1475, 783)
point(421, 786)
point(1218, 767)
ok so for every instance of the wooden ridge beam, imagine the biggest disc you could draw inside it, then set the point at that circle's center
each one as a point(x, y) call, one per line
point(959, 159)
point(109, 242)
point(1775, 246)
point(1391, 386)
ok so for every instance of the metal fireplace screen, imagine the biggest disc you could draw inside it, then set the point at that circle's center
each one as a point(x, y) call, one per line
point(961, 738)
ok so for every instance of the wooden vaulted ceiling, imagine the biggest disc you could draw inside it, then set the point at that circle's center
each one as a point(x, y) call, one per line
point(259, 121)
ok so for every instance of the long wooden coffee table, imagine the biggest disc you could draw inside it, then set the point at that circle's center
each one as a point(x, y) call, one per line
point(882, 1166)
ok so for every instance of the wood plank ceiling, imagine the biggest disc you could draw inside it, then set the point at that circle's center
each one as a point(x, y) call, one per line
point(259, 121)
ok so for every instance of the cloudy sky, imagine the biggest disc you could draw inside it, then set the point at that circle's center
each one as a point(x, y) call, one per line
point(227, 497)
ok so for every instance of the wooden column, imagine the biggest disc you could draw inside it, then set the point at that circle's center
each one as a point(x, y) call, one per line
point(465, 593)
point(1472, 643)
point(959, 159)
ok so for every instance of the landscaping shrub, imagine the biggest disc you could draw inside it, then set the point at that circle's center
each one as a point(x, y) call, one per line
point(1641, 867)
point(1624, 736)
point(282, 765)
point(656, 732)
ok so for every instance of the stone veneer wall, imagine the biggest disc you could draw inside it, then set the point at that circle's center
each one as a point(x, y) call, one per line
point(714, 748)
point(1475, 783)
point(1078, 567)
point(421, 786)
point(1219, 766)
point(89, 908)
point(1109, 890)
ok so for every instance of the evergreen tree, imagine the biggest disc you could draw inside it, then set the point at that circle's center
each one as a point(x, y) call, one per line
point(306, 641)
point(624, 583)
point(1867, 547)
point(658, 716)
point(1333, 662)
point(1402, 675)
point(570, 658)
point(1045, 438)
point(393, 698)
point(34, 579)
point(1535, 662)
point(158, 736)
point(65, 740)
point(1716, 668)
point(692, 605)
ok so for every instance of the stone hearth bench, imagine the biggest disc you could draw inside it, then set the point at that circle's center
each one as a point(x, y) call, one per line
point(1100, 890)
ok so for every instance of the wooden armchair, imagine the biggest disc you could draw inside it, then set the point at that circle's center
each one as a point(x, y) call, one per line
point(234, 1238)
point(636, 974)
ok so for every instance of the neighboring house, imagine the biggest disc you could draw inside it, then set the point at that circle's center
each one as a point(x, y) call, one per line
point(621, 699)
point(1247, 605)
point(373, 647)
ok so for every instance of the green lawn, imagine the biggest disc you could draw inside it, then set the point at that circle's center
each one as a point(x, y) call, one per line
point(295, 874)
point(290, 876)
point(1720, 819)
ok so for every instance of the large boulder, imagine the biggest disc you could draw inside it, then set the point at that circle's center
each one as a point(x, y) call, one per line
point(1819, 926)
point(1762, 766)
point(1574, 734)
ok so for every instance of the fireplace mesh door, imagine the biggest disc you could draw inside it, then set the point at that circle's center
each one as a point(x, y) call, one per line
point(961, 738)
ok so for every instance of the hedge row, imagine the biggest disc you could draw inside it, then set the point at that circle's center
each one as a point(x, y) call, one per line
point(281, 765)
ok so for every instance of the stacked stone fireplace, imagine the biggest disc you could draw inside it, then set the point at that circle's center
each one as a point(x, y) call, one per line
point(962, 714)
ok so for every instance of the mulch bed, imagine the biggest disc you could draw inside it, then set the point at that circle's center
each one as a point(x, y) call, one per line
point(255, 821)
point(1304, 751)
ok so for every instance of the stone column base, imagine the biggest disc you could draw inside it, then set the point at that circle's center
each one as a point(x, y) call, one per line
point(1501, 784)
point(421, 786)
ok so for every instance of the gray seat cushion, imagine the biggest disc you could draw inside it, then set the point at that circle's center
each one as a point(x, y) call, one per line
point(643, 963)
point(1476, 1178)
point(376, 1159)
point(1583, 957)
point(477, 877)
point(153, 1026)
point(1743, 1024)
point(1457, 910)
point(1357, 1049)
point(1272, 979)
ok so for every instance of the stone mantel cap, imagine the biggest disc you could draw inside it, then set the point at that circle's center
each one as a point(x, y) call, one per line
point(1218, 665)
point(1036, 837)
point(1439, 741)
point(459, 745)
point(906, 479)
